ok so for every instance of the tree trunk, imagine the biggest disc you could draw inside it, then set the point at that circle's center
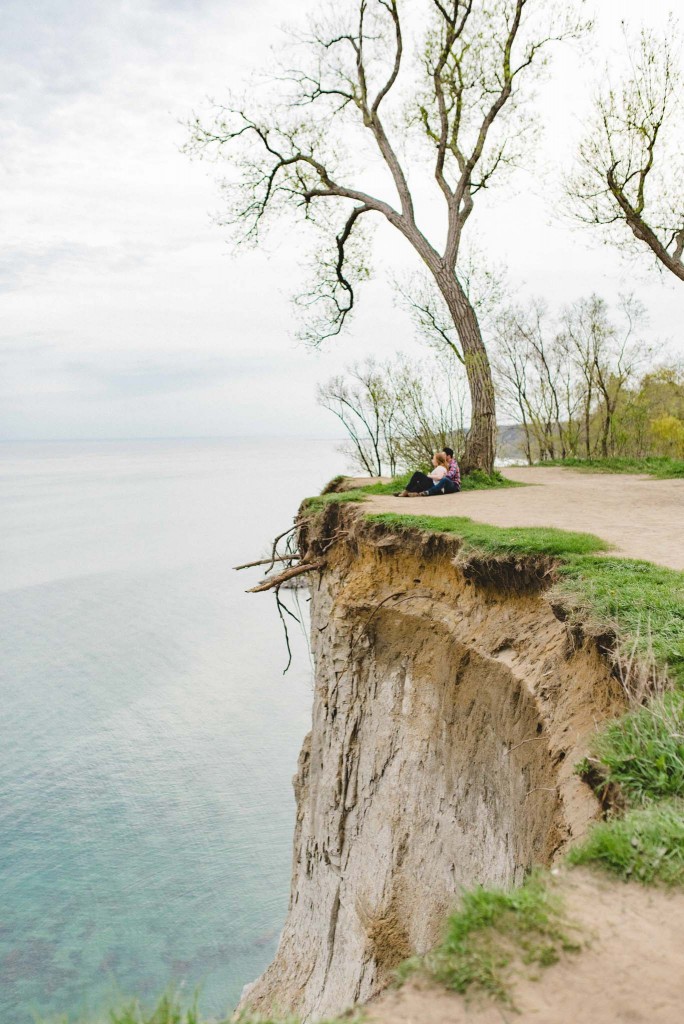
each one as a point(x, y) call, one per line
point(607, 428)
point(587, 425)
point(528, 441)
point(480, 443)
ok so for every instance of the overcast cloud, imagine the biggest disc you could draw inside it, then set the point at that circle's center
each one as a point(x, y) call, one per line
point(123, 314)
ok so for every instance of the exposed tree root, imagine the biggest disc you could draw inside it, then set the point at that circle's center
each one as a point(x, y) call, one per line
point(267, 561)
point(287, 574)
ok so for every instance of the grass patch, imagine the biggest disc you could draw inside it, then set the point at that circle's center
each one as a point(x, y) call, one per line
point(662, 467)
point(167, 1011)
point(318, 502)
point(646, 845)
point(643, 750)
point(493, 929)
point(499, 540)
point(475, 481)
point(170, 1010)
point(642, 601)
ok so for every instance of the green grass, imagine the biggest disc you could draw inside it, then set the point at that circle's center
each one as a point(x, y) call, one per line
point(499, 540)
point(662, 467)
point(491, 932)
point(167, 1011)
point(475, 481)
point(646, 845)
point(170, 1010)
point(479, 481)
point(642, 601)
point(315, 504)
point(643, 751)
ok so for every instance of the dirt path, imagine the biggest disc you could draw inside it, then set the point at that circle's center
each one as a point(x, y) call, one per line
point(641, 516)
point(632, 970)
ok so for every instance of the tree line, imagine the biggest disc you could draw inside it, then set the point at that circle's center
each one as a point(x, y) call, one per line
point(576, 385)
point(449, 85)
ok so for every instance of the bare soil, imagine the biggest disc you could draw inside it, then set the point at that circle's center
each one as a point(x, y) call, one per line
point(640, 516)
point(631, 970)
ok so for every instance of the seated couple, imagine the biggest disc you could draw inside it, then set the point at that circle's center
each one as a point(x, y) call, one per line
point(445, 478)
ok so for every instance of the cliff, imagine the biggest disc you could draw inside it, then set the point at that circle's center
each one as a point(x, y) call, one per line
point(451, 703)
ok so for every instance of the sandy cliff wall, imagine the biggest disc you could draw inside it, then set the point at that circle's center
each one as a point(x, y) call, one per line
point(450, 707)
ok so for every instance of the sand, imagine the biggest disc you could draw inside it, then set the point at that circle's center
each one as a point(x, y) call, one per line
point(631, 971)
point(640, 516)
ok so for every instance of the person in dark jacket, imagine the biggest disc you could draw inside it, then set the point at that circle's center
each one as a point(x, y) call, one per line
point(451, 482)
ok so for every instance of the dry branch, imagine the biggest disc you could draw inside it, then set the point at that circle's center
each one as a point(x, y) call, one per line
point(267, 561)
point(287, 574)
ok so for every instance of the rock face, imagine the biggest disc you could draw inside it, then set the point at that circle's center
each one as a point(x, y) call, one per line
point(450, 707)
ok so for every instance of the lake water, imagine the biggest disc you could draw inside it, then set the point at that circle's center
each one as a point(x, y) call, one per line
point(147, 734)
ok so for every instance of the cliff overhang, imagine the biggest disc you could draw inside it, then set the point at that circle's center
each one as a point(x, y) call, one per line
point(452, 700)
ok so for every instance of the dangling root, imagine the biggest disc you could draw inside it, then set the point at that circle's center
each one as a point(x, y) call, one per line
point(287, 574)
point(267, 561)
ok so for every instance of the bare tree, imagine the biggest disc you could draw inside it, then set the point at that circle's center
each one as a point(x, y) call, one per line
point(460, 106)
point(631, 166)
point(396, 414)
point(511, 374)
point(535, 379)
point(570, 391)
point(565, 377)
point(607, 354)
point(367, 408)
point(578, 332)
point(431, 408)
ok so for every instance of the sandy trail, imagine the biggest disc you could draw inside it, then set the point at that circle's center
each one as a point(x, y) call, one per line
point(631, 971)
point(640, 516)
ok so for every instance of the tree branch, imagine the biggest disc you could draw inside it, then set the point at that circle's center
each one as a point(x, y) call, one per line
point(287, 574)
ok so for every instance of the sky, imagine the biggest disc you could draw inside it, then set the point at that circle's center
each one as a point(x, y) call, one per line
point(124, 311)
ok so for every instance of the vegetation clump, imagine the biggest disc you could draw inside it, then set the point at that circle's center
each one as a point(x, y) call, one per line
point(642, 755)
point(643, 751)
point(171, 1010)
point(641, 603)
point(499, 540)
point(475, 481)
point(646, 845)
point(492, 931)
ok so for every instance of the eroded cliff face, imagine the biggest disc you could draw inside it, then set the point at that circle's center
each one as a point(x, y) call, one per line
point(450, 707)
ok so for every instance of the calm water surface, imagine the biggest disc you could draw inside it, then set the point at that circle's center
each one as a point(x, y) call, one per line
point(147, 734)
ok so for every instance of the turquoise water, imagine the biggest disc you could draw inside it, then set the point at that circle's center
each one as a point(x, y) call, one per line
point(147, 734)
